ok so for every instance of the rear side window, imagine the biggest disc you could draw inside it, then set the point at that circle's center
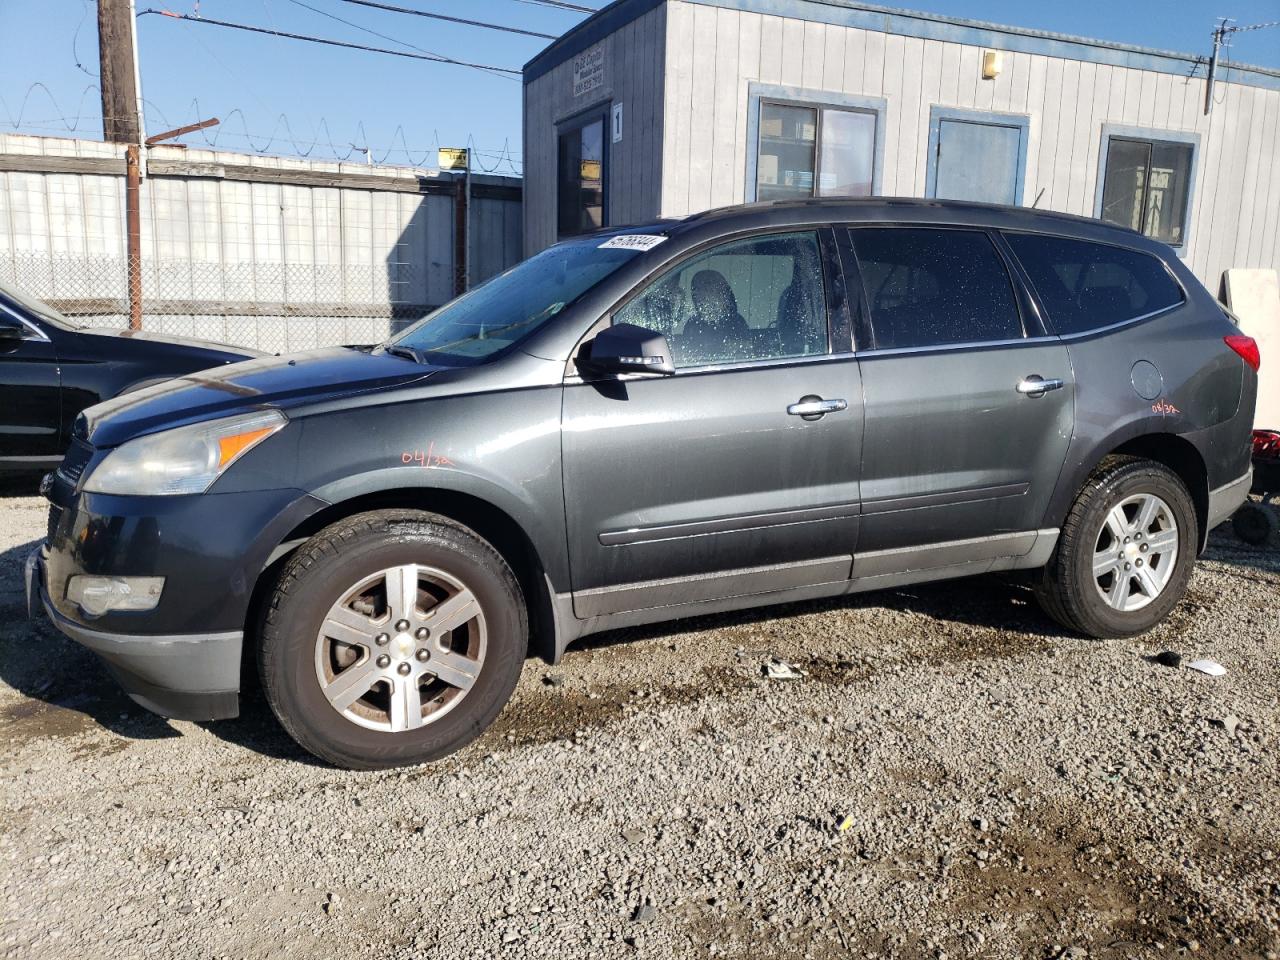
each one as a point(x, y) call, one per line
point(1085, 286)
point(929, 287)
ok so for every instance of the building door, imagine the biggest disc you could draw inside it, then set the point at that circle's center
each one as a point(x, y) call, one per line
point(581, 187)
point(978, 160)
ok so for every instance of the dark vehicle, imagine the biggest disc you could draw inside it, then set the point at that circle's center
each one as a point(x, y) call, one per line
point(749, 406)
point(52, 368)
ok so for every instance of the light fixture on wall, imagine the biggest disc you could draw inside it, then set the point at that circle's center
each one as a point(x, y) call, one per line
point(992, 64)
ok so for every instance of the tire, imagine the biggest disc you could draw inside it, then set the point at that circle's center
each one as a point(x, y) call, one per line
point(336, 608)
point(1068, 589)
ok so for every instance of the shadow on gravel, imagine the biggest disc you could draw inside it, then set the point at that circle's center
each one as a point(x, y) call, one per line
point(20, 484)
point(257, 729)
point(1002, 602)
point(1260, 563)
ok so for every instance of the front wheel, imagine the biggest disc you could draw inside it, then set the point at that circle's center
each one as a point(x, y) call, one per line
point(1125, 551)
point(393, 637)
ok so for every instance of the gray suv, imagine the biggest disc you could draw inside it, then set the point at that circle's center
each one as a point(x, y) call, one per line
point(749, 406)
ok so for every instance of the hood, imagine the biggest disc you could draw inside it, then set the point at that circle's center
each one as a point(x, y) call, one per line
point(147, 336)
point(284, 383)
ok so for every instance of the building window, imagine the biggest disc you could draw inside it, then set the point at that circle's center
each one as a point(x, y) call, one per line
point(976, 155)
point(581, 176)
point(807, 151)
point(1146, 185)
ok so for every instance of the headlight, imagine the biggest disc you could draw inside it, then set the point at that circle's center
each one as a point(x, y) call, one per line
point(182, 460)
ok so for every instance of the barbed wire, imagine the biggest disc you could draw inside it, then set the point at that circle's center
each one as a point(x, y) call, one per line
point(235, 126)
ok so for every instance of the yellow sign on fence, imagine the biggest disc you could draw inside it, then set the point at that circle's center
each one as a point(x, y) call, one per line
point(453, 158)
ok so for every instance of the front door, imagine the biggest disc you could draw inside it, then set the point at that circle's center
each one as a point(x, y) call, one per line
point(969, 406)
point(714, 482)
point(978, 161)
point(30, 395)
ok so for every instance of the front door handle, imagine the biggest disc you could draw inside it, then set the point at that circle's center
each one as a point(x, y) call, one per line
point(1037, 386)
point(815, 408)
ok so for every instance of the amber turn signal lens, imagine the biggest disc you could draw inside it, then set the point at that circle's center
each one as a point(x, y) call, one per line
point(231, 447)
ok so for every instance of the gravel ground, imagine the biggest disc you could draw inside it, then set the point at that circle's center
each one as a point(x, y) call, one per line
point(951, 777)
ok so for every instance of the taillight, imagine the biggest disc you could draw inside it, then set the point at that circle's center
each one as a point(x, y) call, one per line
point(1247, 347)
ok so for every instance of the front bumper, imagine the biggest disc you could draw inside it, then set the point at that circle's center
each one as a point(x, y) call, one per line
point(1226, 499)
point(185, 676)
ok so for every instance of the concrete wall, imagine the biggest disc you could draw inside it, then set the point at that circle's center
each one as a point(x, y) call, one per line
point(714, 52)
point(633, 76)
point(274, 253)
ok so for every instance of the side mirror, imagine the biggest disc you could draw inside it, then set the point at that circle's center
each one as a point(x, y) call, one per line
point(626, 348)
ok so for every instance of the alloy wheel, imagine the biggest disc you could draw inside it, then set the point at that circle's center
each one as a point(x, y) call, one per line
point(401, 648)
point(1135, 552)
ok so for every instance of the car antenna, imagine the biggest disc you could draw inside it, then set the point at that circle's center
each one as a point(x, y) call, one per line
point(1037, 200)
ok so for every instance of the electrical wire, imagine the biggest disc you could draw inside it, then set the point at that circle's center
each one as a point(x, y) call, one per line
point(435, 58)
point(372, 33)
point(440, 16)
point(561, 5)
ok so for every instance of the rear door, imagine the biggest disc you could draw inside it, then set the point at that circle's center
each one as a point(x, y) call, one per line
point(960, 444)
point(30, 394)
point(713, 483)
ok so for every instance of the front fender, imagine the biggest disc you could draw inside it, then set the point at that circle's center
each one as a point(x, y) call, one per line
point(544, 528)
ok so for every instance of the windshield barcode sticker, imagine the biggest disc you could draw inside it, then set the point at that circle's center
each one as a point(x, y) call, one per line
point(632, 241)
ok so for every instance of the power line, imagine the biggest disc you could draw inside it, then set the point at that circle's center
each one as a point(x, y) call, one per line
point(561, 5)
point(372, 33)
point(435, 58)
point(440, 16)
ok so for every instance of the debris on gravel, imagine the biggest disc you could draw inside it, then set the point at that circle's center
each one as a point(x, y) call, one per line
point(954, 777)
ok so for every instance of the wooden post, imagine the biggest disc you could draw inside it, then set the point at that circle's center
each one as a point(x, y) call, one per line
point(133, 229)
point(118, 80)
point(460, 235)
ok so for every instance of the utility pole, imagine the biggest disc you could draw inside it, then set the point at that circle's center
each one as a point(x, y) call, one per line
point(122, 123)
point(117, 57)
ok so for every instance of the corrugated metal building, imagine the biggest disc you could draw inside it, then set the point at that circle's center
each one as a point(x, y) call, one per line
point(660, 108)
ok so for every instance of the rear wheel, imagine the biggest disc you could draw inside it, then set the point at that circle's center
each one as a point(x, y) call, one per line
point(393, 637)
point(1125, 551)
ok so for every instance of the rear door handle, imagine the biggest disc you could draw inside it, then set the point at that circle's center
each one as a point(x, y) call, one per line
point(815, 408)
point(1037, 386)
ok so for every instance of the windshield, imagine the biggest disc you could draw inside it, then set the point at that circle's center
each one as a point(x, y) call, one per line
point(508, 308)
point(38, 308)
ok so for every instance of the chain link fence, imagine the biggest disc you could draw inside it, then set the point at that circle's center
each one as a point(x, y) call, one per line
point(272, 307)
point(270, 254)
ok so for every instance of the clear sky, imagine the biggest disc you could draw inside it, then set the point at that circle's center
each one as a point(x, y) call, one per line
point(402, 109)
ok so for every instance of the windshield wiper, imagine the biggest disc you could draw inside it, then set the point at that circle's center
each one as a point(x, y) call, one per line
point(409, 353)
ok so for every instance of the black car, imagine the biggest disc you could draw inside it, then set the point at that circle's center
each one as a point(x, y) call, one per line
point(749, 406)
point(51, 368)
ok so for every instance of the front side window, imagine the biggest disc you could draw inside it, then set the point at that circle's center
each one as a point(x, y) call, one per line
point(1085, 286)
point(755, 299)
point(1146, 186)
point(580, 178)
point(508, 308)
point(930, 287)
point(808, 151)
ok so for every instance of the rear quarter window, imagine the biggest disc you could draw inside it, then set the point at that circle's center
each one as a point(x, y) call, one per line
point(1086, 286)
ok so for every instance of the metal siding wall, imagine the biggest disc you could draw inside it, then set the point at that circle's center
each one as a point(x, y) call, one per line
point(634, 75)
point(312, 249)
point(714, 53)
